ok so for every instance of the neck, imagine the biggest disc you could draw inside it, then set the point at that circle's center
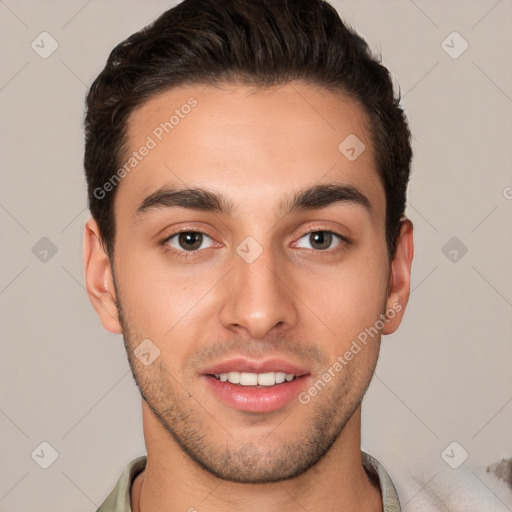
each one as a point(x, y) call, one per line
point(173, 482)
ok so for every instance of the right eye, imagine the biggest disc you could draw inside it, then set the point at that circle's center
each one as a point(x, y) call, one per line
point(188, 241)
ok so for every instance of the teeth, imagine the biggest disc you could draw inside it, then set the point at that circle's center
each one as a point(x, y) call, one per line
point(249, 379)
point(254, 379)
point(267, 379)
point(234, 377)
point(280, 377)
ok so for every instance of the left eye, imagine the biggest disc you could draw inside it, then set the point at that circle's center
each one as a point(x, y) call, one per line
point(319, 240)
point(189, 241)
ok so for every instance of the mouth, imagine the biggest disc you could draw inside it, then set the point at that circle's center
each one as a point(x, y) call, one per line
point(256, 386)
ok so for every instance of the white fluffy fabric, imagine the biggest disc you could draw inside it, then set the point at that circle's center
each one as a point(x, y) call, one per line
point(466, 489)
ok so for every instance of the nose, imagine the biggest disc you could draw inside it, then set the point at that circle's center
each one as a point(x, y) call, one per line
point(258, 297)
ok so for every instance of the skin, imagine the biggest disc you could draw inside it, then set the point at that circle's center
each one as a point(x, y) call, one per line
point(298, 300)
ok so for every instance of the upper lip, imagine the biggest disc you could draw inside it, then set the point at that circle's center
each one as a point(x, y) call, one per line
point(245, 365)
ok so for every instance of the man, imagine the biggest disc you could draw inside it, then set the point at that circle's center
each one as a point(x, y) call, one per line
point(247, 165)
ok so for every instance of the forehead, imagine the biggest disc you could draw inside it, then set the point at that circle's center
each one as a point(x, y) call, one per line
point(250, 145)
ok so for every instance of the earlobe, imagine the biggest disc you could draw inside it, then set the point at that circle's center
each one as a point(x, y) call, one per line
point(98, 278)
point(400, 278)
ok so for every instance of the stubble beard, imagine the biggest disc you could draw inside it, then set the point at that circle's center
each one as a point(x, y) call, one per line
point(235, 459)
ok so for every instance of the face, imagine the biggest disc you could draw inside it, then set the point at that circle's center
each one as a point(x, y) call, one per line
point(250, 250)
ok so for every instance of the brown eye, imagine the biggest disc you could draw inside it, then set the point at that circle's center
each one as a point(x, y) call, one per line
point(188, 241)
point(320, 240)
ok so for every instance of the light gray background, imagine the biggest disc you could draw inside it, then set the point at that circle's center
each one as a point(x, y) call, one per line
point(445, 376)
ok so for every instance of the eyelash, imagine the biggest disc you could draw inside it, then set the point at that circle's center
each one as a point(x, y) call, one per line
point(188, 254)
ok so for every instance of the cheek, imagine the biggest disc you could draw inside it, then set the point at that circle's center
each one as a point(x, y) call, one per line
point(349, 297)
point(160, 300)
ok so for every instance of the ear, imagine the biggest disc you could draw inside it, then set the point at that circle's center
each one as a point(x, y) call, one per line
point(400, 278)
point(99, 280)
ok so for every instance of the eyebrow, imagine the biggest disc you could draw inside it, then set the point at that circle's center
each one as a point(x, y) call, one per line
point(311, 198)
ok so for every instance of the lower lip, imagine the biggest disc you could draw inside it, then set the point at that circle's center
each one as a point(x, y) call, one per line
point(256, 399)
